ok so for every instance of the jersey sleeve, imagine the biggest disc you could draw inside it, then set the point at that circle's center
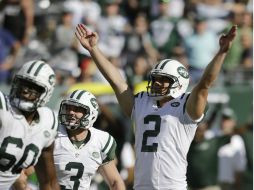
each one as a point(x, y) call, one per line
point(108, 151)
point(53, 128)
point(186, 115)
point(137, 98)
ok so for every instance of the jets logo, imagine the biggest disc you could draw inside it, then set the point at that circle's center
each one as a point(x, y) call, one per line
point(95, 154)
point(47, 134)
point(175, 104)
point(183, 72)
point(94, 103)
point(52, 79)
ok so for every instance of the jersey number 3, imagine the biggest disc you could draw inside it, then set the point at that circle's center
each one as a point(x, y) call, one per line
point(76, 178)
point(151, 133)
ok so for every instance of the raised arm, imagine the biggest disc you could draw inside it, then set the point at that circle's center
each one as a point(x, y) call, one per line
point(198, 98)
point(88, 40)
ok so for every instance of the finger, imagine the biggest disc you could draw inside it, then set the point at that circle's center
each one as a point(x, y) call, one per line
point(95, 34)
point(79, 31)
point(86, 30)
point(77, 35)
point(232, 31)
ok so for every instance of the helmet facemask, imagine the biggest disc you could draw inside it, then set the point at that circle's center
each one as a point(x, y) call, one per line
point(82, 102)
point(160, 92)
point(41, 75)
point(26, 94)
point(177, 76)
point(71, 121)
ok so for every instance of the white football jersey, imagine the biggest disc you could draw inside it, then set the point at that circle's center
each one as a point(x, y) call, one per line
point(20, 143)
point(75, 167)
point(162, 140)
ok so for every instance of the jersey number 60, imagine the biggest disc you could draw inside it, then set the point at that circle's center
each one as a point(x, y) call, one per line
point(11, 159)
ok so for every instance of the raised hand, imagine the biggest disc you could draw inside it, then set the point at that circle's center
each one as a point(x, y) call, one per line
point(227, 39)
point(86, 37)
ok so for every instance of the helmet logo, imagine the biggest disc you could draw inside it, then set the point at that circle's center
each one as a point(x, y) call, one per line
point(183, 72)
point(175, 104)
point(46, 134)
point(94, 103)
point(52, 79)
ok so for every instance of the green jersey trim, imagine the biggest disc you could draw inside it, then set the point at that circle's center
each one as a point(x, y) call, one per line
point(3, 103)
point(109, 142)
point(55, 123)
point(111, 153)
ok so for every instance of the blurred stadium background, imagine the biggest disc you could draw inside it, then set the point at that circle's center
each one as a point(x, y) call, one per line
point(134, 34)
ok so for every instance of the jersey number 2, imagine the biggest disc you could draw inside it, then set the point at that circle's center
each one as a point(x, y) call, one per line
point(151, 133)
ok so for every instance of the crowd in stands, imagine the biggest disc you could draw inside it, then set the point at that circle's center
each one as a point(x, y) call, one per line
point(134, 35)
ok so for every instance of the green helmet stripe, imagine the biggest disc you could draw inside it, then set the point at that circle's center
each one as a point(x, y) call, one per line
point(2, 100)
point(38, 69)
point(80, 94)
point(77, 94)
point(164, 63)
point(31, 67)
point(157, 66)
point(73, 93)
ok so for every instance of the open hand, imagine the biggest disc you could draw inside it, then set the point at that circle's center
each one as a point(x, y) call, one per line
point(86, 37)
point(227, 39)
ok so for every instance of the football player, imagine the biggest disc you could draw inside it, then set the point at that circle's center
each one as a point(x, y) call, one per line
point(80, 149)
point(27, 127)
point(165, 116)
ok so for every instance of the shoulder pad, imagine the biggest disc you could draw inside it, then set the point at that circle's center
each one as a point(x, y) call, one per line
point(139, 95)
point(51, 117)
